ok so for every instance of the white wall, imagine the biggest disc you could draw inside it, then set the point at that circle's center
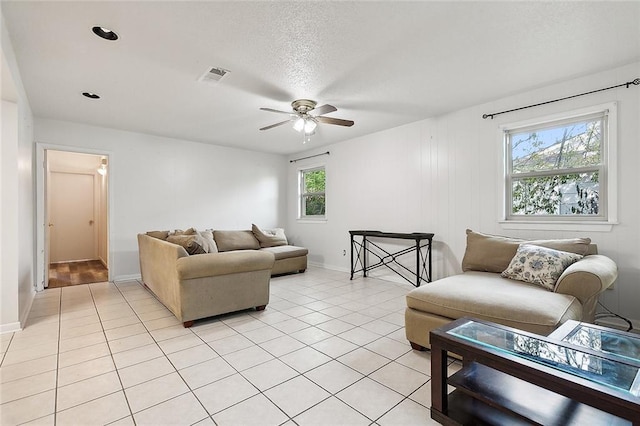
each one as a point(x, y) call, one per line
point(159, 183)
point(16, 195)
point(443, 175)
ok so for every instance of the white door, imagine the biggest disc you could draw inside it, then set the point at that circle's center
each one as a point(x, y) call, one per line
point(71, 220)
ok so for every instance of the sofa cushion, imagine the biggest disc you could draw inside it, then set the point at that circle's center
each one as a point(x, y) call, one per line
point(235, 240)
point(539, 265)
point(493, 253)
point(161, 235)
point(269, 237)
point(286, 252)
point(490, 297)
point(209, 243)
point(193, 244)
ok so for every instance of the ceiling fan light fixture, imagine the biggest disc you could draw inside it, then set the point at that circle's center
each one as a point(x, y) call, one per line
point(300, 124)
point(310, 126)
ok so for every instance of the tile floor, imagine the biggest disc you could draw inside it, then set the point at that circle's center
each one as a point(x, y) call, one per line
point(326, 351)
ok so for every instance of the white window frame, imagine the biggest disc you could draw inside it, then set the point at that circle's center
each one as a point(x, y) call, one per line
point(302, 194)
point(608, 175)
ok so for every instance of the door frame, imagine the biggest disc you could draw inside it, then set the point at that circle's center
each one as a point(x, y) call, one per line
point(42, 246)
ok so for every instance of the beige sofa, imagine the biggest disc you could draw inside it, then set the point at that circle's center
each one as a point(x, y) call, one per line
point(195, 276)
point(482, 292)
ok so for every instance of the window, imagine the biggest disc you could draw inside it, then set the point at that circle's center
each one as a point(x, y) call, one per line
point(312, 193)
point(557, 169)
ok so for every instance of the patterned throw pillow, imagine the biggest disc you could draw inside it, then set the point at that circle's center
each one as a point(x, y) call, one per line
point(539, 265)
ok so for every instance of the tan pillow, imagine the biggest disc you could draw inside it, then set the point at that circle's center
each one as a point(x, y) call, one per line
point(193, 244)
point(235, 240)
point(493, 253)
point(161, 235)
point(209, 243)
point(270, 237)
point(190, 231)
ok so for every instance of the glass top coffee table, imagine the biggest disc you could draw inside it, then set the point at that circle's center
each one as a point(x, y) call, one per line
point(581, 374)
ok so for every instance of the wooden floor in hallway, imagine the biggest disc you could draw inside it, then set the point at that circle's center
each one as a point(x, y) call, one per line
point(73, 273)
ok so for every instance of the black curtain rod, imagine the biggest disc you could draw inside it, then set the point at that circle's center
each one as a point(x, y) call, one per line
point(627, 84)
point(311, 156)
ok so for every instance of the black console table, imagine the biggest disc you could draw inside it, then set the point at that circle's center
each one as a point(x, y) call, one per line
point(362, 248)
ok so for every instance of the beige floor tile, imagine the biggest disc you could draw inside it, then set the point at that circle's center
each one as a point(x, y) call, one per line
point(401, 379)
point(21, 355)
point(161, 323)
point(155, 391)
point(131, 342)
point(296, 395)
point(80, 330)
point(305, 359)
point(134, 356)
point(269, 374)
point(363, 360)
point(85, 370)
point(149, 315)
point(49, 420)
point(27, 409)
point(22, 342)
point(370, 398)
point(359, 336)
point(230, 344)
point(28, 368)
point(407, 413)
point(290, 326)
point(315, 318)
point(282, 345)
point(311, 335)
point(27, 386)
point(86, 390)
point(125, 421)
point(122, 311)
point(224, 393)
point(182, 410)
point(207, 372)
point(335, 326)
point(380, 327)
point(334, 346)
point(262, 334)
point(332, 411)
point(206, 422)
point(334, 376)
point(120, 322)
point(78, 356)
point(422, 395)
point(126, 331)
point(81, 341)
point(214, 332)
point(100, 411)
point(389, 348)
point(419, 361)
point(145, 371)
point(176, 344)
point(246, 413)
point(356, 318)
point(247, 358)
point(192, 356)
point(171, 332)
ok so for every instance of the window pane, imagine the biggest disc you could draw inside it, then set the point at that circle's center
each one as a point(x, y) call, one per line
point(560, 147)
point(570, 194)
point(314, 205)
point(314, 181)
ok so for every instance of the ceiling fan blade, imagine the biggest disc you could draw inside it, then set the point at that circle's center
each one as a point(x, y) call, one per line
point(337, 121)
point(275, 110)
point(276, 125)
point(324, 109)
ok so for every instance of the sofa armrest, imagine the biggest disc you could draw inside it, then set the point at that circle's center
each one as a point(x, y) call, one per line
point(586, 279)
point(223, 263)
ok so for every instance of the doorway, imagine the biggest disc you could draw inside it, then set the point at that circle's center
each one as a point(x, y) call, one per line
point(76, 234)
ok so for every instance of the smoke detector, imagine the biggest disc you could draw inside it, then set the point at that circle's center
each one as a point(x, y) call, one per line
point(213, 75)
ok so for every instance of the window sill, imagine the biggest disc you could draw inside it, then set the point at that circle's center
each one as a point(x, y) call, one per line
point(307, 220)
point(558, 226)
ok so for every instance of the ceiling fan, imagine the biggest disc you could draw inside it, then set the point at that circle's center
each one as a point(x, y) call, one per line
point(303, 120)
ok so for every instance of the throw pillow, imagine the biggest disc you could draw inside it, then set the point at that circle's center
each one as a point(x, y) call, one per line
point(209, 243)
point(190, 231)
point(193, 244)
point(269, 237)
point(539, 265)
point(235, 240)
point(161, 235)
point(493, 253)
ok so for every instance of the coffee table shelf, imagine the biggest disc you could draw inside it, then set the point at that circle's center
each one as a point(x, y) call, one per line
point(513, 377)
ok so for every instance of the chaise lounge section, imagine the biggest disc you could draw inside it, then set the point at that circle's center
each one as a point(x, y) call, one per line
point(482, 291)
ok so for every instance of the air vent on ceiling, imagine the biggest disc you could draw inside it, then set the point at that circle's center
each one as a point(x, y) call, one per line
point(213, 75)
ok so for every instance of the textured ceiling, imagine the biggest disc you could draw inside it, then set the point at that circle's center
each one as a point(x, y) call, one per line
point(382, 64)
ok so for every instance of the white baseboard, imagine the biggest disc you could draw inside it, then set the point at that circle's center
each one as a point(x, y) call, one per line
point(133, 277)
point(10, 328)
